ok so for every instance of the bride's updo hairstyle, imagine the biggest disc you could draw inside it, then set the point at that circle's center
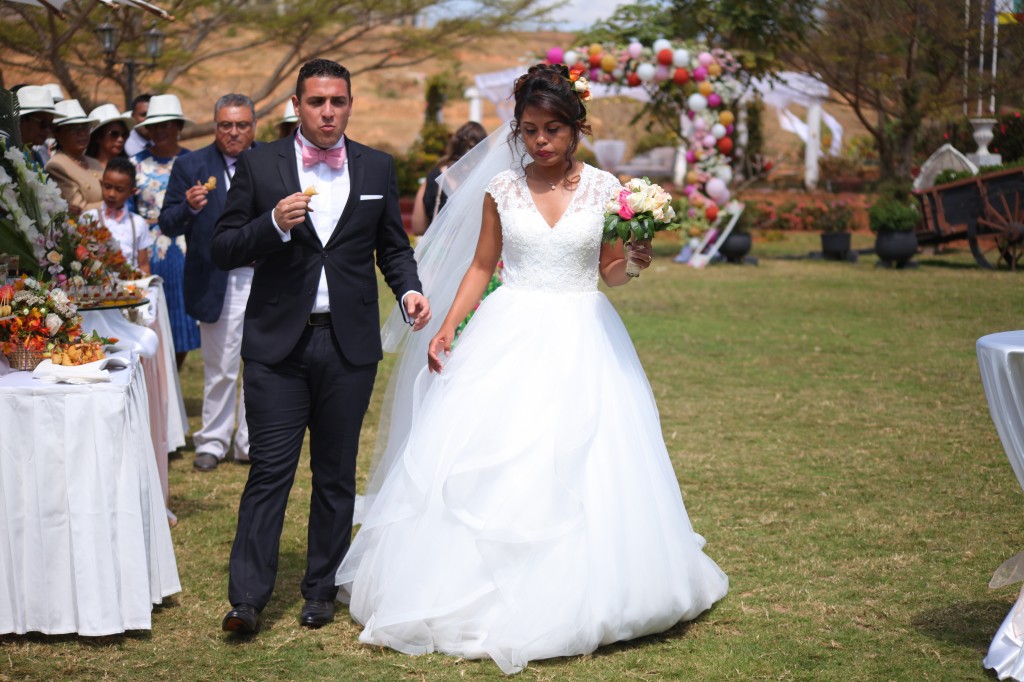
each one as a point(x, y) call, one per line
point(547, 87)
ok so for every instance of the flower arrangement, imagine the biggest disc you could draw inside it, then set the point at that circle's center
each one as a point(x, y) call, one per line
point(700, 86)
point(30, 206)
point(43, 316)
point(83, 252)
point(640, 209)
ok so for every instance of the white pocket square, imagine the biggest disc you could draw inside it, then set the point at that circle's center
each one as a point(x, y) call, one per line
point(364, 197)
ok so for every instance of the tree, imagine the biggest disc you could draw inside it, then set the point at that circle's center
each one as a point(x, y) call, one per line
point(759, 32)
point(372, 34)
point(646, 21)
point(898, 62)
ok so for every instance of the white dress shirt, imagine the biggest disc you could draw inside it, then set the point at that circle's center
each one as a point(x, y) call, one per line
point(131, 232)
point(135, 143)
point(333, 190)
point(229, 170)
point(333, 187)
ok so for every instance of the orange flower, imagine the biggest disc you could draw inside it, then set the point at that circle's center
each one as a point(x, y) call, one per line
point(575, 74)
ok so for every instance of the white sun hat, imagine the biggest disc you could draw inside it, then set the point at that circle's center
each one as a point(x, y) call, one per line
point(164, 108)
point(70, 112)
point(33, 98)
point(55, 91)
point(289, 113)
point(108, 113)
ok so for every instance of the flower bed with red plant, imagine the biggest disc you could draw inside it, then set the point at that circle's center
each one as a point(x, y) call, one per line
point(789, 210)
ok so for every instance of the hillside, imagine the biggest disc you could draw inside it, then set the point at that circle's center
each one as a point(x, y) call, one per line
point(389, 104)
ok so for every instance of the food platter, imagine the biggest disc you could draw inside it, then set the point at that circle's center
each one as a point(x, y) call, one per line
point(115, 304)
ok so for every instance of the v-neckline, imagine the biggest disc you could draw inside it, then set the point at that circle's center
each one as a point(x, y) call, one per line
point(565, 211)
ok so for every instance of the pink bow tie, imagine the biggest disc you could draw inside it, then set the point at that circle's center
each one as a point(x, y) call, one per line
point(311, 156)
point(114, 214)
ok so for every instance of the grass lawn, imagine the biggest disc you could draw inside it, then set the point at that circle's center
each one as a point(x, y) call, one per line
point(833, 444)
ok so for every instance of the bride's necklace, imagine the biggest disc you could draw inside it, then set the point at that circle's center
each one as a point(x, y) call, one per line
point(552, 185)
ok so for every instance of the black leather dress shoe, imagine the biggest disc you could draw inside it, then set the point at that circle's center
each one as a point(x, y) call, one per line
point(243, 619)
point(316, 613)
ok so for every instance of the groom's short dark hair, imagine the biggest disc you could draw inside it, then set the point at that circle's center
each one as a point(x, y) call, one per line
point(322, 68)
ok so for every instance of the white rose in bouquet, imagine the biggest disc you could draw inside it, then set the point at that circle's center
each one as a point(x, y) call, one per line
point(53, 323)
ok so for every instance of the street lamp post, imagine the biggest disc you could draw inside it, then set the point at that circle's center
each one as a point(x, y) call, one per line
point(154, 39)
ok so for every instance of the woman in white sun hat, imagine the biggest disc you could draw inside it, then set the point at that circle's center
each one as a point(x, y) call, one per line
point(164, 122)
point(36, 113)
point(287, 125)
point(77, 175)
point(107, 139)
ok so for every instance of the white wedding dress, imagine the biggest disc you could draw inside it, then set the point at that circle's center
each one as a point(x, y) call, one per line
point(533, 511)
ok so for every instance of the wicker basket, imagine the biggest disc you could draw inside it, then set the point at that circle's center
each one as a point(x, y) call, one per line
point(24, 359)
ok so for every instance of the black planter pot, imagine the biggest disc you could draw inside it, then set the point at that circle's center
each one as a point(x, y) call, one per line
point(835, 245)
point(895, 249)
point(736, 246)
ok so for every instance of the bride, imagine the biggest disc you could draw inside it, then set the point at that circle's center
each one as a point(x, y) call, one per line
point(526, 507)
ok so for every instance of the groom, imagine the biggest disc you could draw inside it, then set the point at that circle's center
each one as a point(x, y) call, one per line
point(311, 340)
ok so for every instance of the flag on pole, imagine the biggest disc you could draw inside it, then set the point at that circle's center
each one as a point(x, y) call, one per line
point(1008, 11)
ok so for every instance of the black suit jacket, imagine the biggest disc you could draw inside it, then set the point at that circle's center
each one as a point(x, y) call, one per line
point(205, 283)
point(287, 273)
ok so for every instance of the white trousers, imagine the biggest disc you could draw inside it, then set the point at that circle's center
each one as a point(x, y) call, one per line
point(223, 400)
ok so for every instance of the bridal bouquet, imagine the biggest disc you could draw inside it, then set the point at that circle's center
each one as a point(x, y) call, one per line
point(640, 209)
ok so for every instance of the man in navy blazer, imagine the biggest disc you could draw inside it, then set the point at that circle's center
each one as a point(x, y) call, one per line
point(195, 198)
point(313, 211)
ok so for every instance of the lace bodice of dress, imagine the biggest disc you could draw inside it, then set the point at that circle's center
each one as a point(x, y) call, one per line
point(563, 258)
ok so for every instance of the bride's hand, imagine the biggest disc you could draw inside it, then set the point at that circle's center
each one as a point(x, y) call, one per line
point(441, 343)
point(642, 253)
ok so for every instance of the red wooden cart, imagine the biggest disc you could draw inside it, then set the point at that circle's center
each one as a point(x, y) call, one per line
point(986, 210)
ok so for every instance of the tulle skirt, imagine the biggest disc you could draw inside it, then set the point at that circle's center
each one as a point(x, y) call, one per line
point(533, 511)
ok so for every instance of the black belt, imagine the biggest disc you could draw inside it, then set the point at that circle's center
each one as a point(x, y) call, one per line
point(319, 320)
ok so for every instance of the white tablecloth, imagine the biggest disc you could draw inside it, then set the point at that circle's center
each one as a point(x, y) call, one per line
point(84, 542)
point(152, 338)
point(1001, 360)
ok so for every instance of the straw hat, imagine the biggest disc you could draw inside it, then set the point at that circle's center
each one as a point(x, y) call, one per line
point(33, 98)
point(164, 108)
point(108, 113)
point(289, 113)
point(70, 112)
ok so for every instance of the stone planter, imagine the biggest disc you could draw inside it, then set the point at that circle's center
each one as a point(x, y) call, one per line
point(736, 246)
point(835, 245)
point(983, 134)
point(895, 249)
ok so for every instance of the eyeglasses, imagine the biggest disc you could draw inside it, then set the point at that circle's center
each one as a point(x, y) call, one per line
point(114, 132)
point(242, 126)
point(74, 128)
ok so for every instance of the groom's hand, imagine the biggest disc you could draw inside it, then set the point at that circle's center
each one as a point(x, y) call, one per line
point(291, 211)
point(417, 308)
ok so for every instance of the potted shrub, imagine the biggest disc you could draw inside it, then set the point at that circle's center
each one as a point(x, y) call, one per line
point(739, 242)
point(834, 223)
point(893, 217)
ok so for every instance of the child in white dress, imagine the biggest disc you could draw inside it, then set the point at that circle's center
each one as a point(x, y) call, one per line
point(129, 229)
